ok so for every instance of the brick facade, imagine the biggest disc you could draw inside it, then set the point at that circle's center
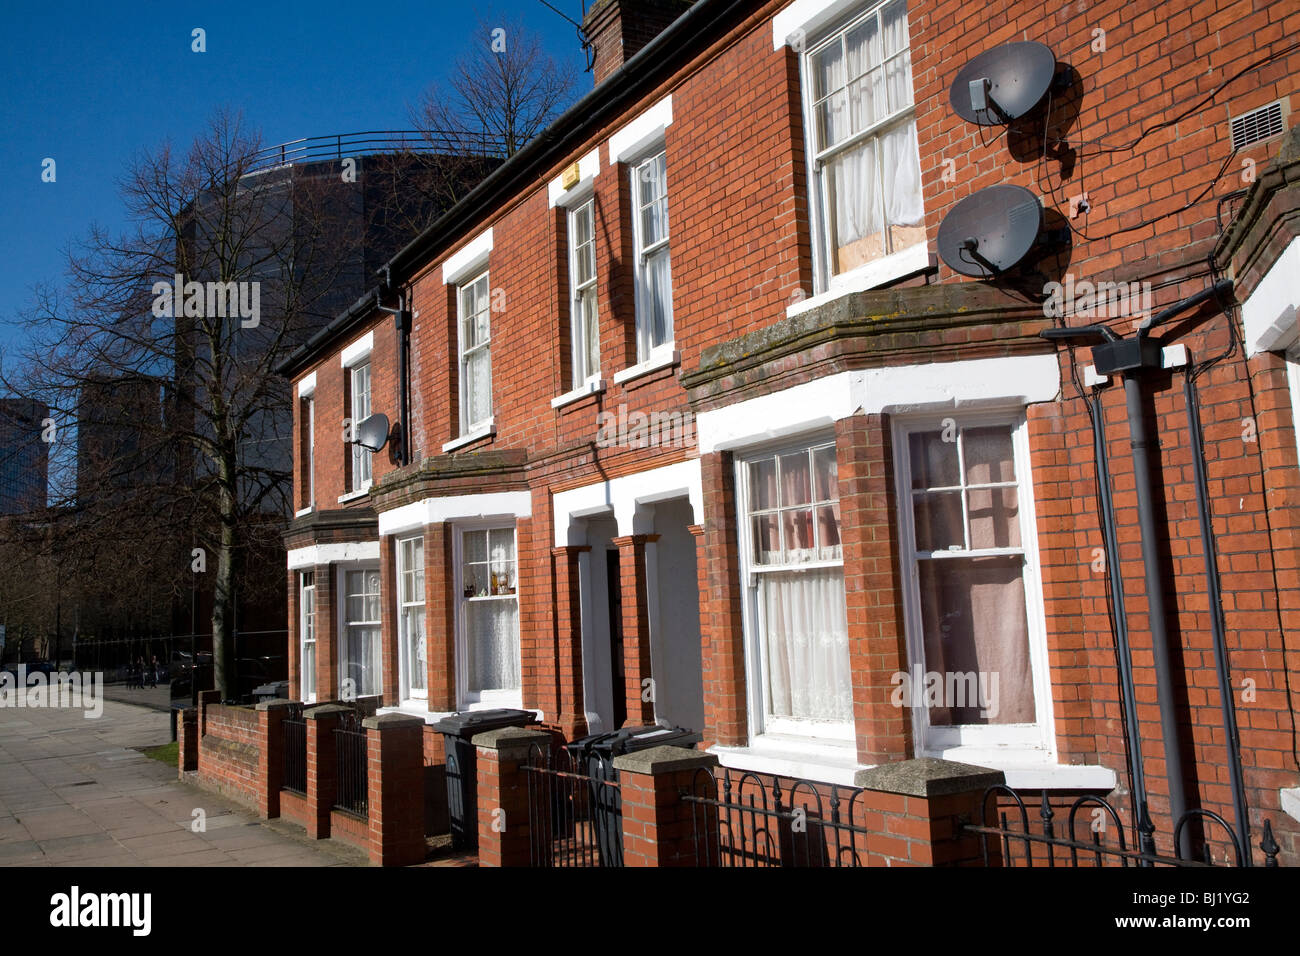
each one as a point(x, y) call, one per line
point(742, 254)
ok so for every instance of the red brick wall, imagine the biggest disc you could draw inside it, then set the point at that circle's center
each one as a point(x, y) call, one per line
point(741, 247)
point(228, 752)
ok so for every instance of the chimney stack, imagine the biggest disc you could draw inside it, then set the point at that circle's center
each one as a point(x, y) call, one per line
point(617, 29)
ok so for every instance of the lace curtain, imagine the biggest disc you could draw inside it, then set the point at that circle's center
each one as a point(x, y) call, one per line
point(872, 73)
point(806, 633)
point(493, 632)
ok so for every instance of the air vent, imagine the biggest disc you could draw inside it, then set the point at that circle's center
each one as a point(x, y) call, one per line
point(1258, 125)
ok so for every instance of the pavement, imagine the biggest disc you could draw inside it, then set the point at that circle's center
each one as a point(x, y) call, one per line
point(79, 792)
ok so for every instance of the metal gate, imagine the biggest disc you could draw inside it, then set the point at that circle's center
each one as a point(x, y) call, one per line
point(575, 810)
point(350, 755)
point(1093, 836)
point(294, 727)
point(746, 820)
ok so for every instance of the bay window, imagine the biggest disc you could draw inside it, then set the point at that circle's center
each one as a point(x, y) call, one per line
point(861, 125)
point(974, 607)
point(413, 660)
point(307, 635)
point(474, 299)
point(360, 660)
point(488, 618)
point(795, 603)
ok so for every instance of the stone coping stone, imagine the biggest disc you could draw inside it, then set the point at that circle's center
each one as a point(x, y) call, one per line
point(509, 737)
point(324, 710)
point(664, 760)
point(392, 721)
point(927, 777)
point(274, 704)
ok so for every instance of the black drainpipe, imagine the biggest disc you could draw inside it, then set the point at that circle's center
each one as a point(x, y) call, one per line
point(1208, 546)
point(1135, 358)
point(402, 329)
point(1141, 816)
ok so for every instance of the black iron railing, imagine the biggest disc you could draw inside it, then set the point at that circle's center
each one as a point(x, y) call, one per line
point(1094, 836)
point(339, 146)
point(575, 810)
point(744, 819)
point(294, 727)
point(352, 794)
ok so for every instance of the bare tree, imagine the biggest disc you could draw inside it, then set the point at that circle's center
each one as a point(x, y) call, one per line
point(158, 366)
point(499, 94)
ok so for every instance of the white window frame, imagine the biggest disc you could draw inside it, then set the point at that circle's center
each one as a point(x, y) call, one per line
point(307, 632)
point(311, 450)
point(1292, 359)
point(362, 463)
point(645, 351)
point(468, 427)
point(582, 376)
point(894, 262)
point(482, 700)
point(785, 733)
point(344, 623)
point(416, 697)
point(970, 741)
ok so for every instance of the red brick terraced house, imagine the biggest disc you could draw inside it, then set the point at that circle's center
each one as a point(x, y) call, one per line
point(696, 425)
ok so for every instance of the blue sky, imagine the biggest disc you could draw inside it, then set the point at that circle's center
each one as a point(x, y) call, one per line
point(92, 84)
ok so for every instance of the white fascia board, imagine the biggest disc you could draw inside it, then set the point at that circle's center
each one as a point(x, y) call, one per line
point(803, 18)
point(316, 554)
point(469, 260)
point(358, 351)
point(307, 385)
point(588, 167)
point(641, 133)
point(1269, 312)
point(501, 504)
point(625, 494)
point(791, 411)
point(1014, 379)
point(1017, 379)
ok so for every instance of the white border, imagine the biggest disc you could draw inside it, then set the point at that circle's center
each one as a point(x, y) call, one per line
point(590, 387)
point(808, 16)
point(626, 496)
point(320, 554)
point(358, 351)
point(641, 132)
point(307, 385)
point(485, 430)
point(1020, 379)
point(500, 504)
point(905, 262)
point(663, 357)
point(1269, 313)
point(469, 261)
point(588, 167)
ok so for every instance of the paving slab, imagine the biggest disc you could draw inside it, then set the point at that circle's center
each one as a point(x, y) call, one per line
point(79, 792)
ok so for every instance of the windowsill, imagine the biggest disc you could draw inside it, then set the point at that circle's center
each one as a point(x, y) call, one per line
point(487, 430)
point(1029, 770)
point(654, 363)
point(304, 512)
point(827, 762)
point(906, 262)
point(354, 495)
point(415, 708)
point(593, 386)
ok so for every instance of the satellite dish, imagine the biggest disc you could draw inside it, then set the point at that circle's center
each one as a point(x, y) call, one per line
point(990, 231)
point(1003, 84)
point(372, 432)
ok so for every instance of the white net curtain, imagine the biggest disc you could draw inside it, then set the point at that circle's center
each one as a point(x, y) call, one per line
point(872, 184)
